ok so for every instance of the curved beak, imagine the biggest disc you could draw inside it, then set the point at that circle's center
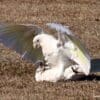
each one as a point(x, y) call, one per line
point(36, 45)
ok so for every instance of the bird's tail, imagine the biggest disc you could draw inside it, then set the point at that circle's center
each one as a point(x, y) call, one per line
point(95, 65)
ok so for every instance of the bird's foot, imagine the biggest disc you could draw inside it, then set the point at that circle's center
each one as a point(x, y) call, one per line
point(39, 63)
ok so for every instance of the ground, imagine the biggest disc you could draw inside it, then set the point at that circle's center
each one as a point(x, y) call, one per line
point(17, 76)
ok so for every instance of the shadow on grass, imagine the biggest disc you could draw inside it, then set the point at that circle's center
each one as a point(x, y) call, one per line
point(95, 67)
point(90, 78)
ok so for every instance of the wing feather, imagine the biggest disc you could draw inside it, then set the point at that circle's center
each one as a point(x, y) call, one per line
point(66, 34)
point(20, 39)
point(79, 54)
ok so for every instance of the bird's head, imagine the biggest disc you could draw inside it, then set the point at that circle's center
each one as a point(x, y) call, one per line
point(39, 40)
point(47, 42)
point(36, 41)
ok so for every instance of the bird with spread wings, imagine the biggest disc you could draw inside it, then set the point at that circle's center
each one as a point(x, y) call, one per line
point(62, 51)
point(57, 58)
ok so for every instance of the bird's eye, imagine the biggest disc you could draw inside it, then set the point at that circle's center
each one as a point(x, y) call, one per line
point(38, 40)
point(59, 45)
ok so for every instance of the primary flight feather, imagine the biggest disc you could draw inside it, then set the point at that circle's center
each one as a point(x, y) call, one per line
point(20, 39)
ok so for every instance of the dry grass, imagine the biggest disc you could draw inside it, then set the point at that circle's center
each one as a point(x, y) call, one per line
point(17, 76)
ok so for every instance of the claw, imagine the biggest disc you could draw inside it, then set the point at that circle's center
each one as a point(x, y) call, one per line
point(39, 63)
point(74, 70)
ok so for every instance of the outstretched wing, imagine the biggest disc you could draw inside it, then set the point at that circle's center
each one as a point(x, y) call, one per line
point(20, 39)
point(80, 54)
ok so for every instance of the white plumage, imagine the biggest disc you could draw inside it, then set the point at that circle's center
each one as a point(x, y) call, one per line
point(73, 48)
point(58, 57)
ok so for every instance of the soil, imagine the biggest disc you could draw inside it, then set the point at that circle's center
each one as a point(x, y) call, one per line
point(17, 76)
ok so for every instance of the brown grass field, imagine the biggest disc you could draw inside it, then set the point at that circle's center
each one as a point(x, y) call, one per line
point(17, 76)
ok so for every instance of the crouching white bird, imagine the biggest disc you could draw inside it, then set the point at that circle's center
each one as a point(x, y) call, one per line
point(59, 53)
point(55, 60)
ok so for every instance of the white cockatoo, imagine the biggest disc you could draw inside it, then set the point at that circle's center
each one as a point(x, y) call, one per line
point(53, 56)
point(57, 53)
point(19, 37)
